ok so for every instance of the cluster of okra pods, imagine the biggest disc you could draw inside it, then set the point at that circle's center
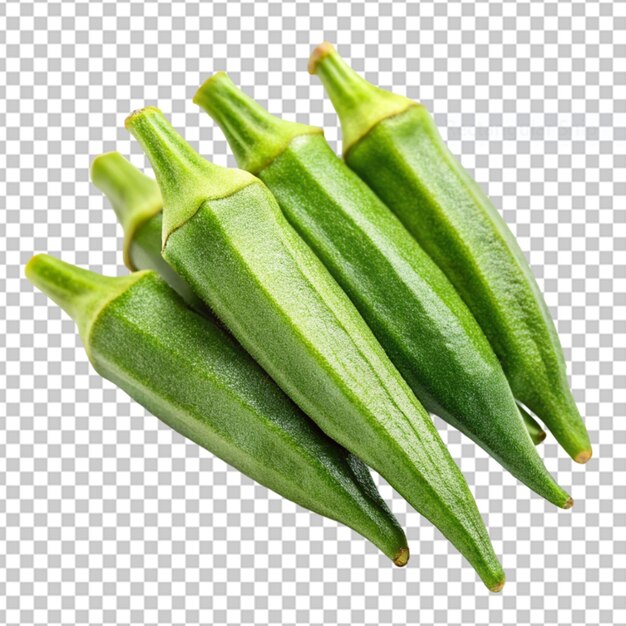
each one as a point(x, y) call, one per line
point(353, 296)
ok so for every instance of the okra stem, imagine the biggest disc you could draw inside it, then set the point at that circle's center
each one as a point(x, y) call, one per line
point(80, 293)
point(254, 135)
point(186, 179)
point(359, 104)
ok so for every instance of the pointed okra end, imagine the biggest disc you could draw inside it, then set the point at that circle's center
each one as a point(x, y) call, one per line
point(186, 179)
point(359, 104)
point(489, 569)
point(576, 442)
point(560, 413)
point(80, 293)
point(402, 558)
point(255, 136)
point(135, 197)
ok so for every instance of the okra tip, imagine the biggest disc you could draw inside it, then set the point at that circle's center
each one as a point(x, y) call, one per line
point(583, 456)
point(402, 558)
point(324, 49)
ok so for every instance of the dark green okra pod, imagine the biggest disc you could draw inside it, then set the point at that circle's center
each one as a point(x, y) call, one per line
point(394, 146)
point(412, 308)
point(225, 234)
point(188, 372)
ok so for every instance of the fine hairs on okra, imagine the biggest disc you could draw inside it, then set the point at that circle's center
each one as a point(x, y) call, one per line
point(187, 371)
point(224, 233)
point(392, 143)
point(411, 307)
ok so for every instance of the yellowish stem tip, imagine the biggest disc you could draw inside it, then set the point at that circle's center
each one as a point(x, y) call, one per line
point(402, 557)
point(211, 79)
point(138, 113)
point(498, 587)
point(318, 54)
point(583, 457)
point(32, 263)
point(569, 503)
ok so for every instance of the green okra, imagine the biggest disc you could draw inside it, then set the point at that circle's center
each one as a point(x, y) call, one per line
point(414, 311)
point(141, 218)
point(182, 367)
point(225, 234)
point(392, 143)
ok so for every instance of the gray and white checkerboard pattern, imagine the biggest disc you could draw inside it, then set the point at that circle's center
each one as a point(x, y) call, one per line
point(107, 516)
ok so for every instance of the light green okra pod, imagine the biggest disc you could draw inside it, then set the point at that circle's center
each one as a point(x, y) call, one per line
point(392, 143)
point(225, 234)
point(415, 313)
point(187, 371)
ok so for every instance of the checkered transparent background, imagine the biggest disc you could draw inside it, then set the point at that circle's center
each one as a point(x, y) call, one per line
point(107, 516)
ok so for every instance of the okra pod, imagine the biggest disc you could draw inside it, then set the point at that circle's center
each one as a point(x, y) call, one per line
point(411, 307)
point(226, 236)
point(183, 368)
point(392, 143)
